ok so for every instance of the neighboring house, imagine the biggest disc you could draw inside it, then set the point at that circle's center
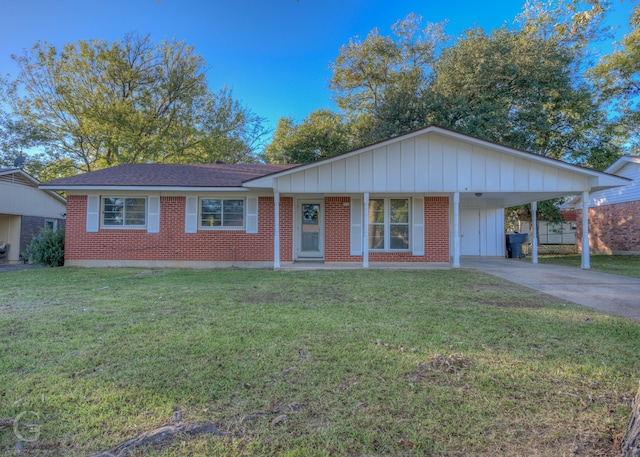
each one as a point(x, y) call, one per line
point(25, 210)
point(427, 196)
point(614, 214)
point(554, 238)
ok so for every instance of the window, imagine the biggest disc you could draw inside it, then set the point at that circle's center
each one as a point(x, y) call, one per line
point(51, 224)
point(388, 222)
point(124, 212)
point(221, 213)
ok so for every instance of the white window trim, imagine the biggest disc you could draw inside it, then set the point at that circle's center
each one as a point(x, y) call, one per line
point(214, 197)
point(54, 223)
point(124, 227)
point(387, 223)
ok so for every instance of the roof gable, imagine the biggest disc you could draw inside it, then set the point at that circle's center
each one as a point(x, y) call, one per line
point(623, 162)
point(437, 160)
point(19, 177)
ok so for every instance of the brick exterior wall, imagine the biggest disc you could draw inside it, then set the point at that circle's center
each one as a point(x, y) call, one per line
point(172, 244)
point(337, 223)
point(436, 229)
point(337, 229)
point(612, 228)
point(30, 226)
point(286, 229)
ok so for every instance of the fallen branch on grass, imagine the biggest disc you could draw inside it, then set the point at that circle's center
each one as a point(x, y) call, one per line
point(160, 435)
point(168, 432)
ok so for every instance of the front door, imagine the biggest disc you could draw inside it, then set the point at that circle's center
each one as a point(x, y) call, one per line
point(310, 243)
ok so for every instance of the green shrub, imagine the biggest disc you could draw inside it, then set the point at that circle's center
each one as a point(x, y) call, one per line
point(47, 248)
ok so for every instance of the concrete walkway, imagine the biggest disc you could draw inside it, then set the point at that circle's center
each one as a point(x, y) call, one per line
point(9, 267)
point(609, 293)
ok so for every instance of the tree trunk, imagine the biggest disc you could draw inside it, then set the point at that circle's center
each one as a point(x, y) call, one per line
point(630, 445)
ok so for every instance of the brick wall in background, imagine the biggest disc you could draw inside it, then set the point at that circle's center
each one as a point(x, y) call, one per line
point(30, 226)
point(612, 228)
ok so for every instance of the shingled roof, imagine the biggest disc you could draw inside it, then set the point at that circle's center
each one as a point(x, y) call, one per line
point(168, 175)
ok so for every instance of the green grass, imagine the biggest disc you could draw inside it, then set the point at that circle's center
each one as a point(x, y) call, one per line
point(625, 265)
point(440, 363)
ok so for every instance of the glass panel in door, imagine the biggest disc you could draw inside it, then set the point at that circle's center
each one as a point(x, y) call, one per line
point(310, 237)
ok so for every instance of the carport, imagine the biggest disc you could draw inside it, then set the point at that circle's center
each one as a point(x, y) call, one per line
point(491, 177)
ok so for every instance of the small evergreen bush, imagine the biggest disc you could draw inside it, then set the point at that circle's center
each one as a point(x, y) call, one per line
point(47, 248)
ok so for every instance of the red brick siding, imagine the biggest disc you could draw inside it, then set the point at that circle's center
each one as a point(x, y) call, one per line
point(612, 228)
point(172, 243)
point(286, 228)
point(337, 230)
point(436, 229)
point(337, 226)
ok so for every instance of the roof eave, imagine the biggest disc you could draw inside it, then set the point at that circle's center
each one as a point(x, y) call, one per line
point(96, 188)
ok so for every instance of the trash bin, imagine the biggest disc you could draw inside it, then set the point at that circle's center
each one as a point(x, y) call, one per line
point(514, 245)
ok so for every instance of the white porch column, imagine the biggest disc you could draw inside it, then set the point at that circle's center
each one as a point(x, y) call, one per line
point(365, 230)
point(276, 230)
point(585, 231)
point(534, 232)
point(456, 230)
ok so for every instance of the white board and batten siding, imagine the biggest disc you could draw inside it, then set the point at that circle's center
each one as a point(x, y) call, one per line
point(431, 163)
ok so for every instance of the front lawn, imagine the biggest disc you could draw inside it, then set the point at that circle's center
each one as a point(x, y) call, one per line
point(625, 265)
point(324, 363)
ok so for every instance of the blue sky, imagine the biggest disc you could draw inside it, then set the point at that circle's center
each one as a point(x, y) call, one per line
point(274, 54)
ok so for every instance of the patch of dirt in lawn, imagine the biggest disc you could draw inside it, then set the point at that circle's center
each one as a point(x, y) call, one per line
point(291, 295)
point(268, 297)
point(503, 295)
point(145, 273)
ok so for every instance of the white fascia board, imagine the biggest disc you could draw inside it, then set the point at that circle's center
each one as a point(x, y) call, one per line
point(621, 162)
point(57, 196)
point(145, 188)
point(605, 181)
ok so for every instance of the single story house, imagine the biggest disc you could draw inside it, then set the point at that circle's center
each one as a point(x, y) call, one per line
point(429, 196)
point(614, 213)
point(25, 210)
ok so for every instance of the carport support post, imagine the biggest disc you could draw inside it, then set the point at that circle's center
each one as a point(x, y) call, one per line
point(365, 230)
point(456, 230)
point(585, 231)
point(276, 230)
point(534, 232)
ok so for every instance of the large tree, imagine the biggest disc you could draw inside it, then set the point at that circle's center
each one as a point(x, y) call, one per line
point(99, 104)
point(618, 77)
point(365, 70)
point(519, 90)
point(519, 86)
point(320, 135)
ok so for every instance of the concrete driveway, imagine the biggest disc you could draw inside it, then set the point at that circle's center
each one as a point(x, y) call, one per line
point(609, 293)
